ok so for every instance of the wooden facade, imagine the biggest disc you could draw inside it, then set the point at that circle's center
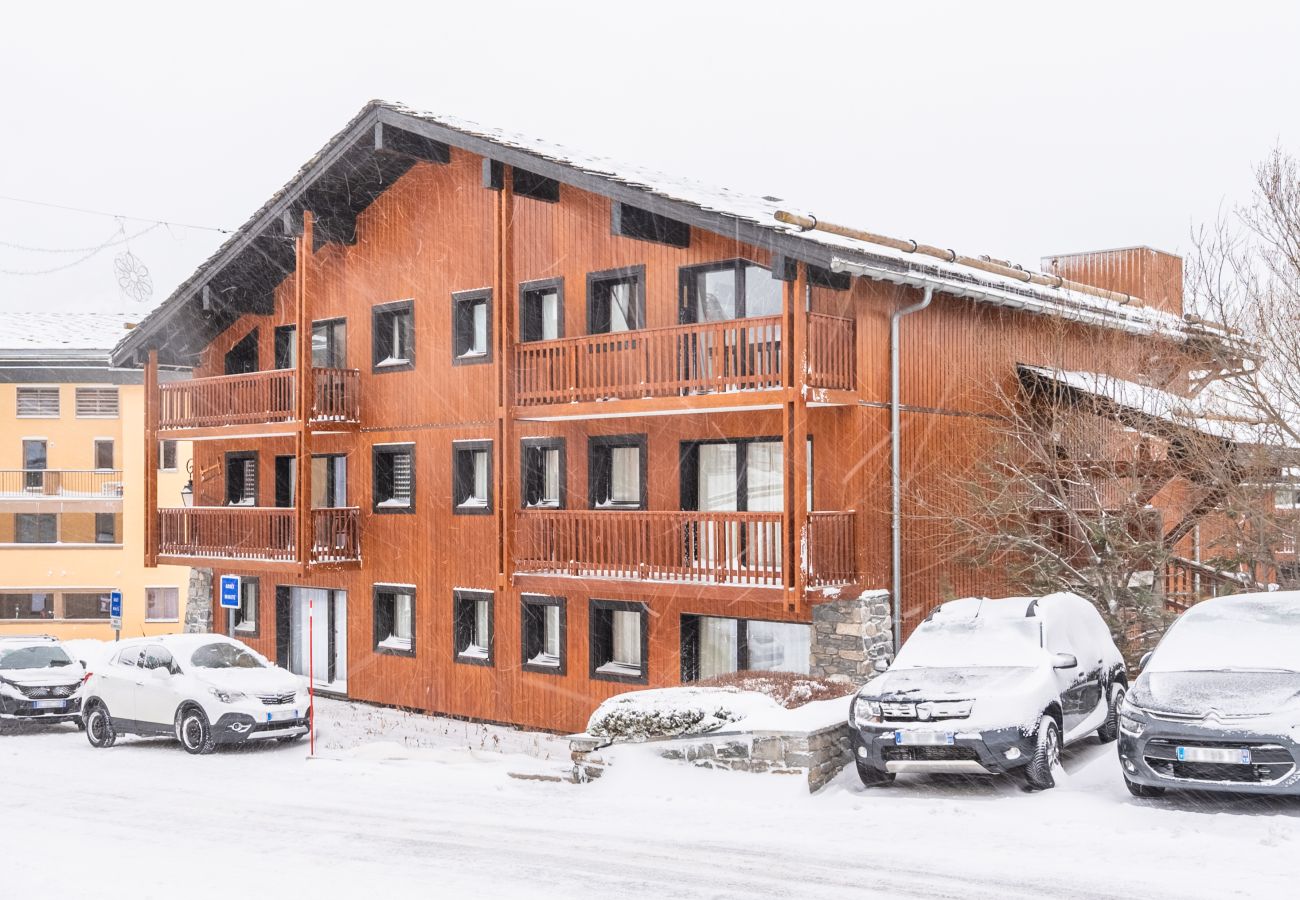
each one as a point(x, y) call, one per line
point(814, 373)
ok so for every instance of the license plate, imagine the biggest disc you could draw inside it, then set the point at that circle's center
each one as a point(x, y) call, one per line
point(49, 704)
point(281, 714)
point(1230, 755)
point(923, 738)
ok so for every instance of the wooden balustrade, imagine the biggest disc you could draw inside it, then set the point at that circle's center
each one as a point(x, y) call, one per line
point(829, 556)
point(257, 533)
point(1186, 582)
point(743, 548)
point(256, 398)
point(61, 484)
point(832, 352)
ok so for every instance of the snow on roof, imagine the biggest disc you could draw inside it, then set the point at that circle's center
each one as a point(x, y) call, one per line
point(56, 331)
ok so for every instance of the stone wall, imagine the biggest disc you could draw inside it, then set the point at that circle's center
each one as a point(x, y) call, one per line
point(198, 602)
point(815, 756)
point(849, 634)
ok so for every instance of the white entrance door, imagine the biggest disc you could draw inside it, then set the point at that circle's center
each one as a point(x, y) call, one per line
point(325, 654)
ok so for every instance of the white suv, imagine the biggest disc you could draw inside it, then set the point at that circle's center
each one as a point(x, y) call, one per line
point(202, 688)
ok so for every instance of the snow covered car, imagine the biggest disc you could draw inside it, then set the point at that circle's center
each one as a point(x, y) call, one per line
point(1217, 705)
point(990, 687)
point(39, 681)
point(202, 688)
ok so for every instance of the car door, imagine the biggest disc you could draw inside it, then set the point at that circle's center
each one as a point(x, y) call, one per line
point(116, 683)
point(157, 686)
point(1069, 681)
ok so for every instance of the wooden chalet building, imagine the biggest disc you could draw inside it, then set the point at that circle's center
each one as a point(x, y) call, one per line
point(529, 430)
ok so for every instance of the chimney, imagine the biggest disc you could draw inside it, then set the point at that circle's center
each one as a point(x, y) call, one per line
point(1152, 275)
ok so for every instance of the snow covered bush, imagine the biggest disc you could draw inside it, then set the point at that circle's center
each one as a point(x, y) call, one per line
point(789, 689)
point(673, 712)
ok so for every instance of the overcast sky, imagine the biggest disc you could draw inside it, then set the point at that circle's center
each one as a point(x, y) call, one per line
point(1017, 130)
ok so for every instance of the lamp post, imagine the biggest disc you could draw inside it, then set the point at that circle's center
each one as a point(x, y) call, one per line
point(187, 492)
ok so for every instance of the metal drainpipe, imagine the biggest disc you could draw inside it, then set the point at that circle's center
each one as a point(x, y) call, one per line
point(895, 475)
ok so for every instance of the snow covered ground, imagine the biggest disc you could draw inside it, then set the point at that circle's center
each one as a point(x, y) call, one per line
point(411, 806)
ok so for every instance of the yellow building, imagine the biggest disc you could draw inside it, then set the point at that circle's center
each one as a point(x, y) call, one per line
point(72, 482)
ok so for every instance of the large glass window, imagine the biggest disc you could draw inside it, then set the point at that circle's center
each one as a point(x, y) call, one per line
point(543, 472)
point(616, 471)
point(329, 344)
point(26, 605)
point(713, 646)
point(541, 310)
point(86, 606)
point(735, 289)
point(618, 641)
point(34, 461)
point(36, 528)
point(329, 481)
point(241, 479)
point(616, 300)
point(162, 604)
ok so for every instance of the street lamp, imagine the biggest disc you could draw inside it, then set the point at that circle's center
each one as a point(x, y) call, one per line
point(187, 492)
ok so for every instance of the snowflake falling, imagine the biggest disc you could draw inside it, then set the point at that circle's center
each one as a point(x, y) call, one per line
point(133, 277)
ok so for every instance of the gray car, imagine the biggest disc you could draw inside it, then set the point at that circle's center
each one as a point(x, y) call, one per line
point(1217, 706)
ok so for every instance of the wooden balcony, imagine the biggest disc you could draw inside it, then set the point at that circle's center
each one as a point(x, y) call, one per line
point(732, 548)
point(1186, 582)
point(700, 366)
point(257, 534)
point(256, 399)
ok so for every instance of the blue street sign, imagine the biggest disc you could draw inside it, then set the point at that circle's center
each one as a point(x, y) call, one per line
point(115, 604)
point(230, 592)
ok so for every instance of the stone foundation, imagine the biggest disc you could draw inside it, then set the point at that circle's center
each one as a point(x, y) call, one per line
point(849, 634)
point(198, 602)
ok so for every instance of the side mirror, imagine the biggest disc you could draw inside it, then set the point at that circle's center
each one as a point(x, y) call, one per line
point(880, 665)
point(1064, 661)
point(1146, 658)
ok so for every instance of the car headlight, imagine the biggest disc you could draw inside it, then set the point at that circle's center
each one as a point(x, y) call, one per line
point(228, 696)
point(1131, 725)
point(865, 711)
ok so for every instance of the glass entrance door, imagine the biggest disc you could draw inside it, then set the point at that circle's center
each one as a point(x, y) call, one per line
point(319, 646)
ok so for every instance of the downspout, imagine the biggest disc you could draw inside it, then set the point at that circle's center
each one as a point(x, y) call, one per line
point(895, 474)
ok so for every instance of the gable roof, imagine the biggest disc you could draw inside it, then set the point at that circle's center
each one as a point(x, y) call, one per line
point(241, 274)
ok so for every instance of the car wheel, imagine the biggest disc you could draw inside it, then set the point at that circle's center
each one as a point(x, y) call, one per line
point(1109, 729)
point(1143, 791)
point(194, 731)
point(1047, 756)
point(99, 727)
point(873, 777)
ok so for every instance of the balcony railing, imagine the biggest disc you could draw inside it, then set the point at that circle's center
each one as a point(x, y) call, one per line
point(257, 534)
point(256, 398)
point(741, 548)
point(832, 352)
point(60, 484)
point(1187, 582)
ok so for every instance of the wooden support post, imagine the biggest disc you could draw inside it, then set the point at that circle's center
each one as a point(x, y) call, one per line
point(506, 467)
point(151, 400)
point(305, 390)
point(799, 438)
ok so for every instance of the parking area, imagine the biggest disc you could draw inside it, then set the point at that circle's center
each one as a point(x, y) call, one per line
point(407, 803)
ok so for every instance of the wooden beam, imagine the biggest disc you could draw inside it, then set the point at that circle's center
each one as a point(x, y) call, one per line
point(799, 451)
point(151, 460)
point(505, 465)
point(304, 388)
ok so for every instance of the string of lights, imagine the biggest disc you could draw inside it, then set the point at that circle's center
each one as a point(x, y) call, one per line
point(118, 216)
point(119, 237)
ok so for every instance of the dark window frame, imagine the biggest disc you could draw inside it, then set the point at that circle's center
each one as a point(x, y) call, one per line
point(689, 648)
point(112, 454)
point(285, 463)
point(379, 319)
point(528, 603)
point(524, 183)
point(36, 520)
point(630, 221)
point(163, 444)
point(112, 531)
point(284, 346)
point(460, 299)
point(595, 280)
point(528, 289)
point(250, 344)
point(687, 288)
point(688, 469)
point(542, 443)
point(470, 596)
point(458, 476)
point(331, 340)
point(346, 486)
point(390, 449)
point(597, 618)
point(379, 621)
point(233, 614)
point(257, 475)
point(602, 443)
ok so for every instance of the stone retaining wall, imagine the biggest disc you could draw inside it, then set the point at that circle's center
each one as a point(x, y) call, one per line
point(198, 602)
point(849, 634)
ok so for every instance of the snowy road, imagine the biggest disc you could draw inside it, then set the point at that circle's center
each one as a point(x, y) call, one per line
point(402, 808)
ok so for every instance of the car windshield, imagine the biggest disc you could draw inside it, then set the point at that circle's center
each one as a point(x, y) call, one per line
point(1232, 636)
point(40, 657)
point(226, 656)
point(975, 642)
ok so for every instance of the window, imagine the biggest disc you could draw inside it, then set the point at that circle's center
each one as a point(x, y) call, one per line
point(472, 618)
point(162, 604)
point(36, 528)
point(634, 222)
point(97, 403)
point(86, 606)
point(1286, 497)
point(34, 460)
point(616, 472)
point(543, 478)
point(156, 656)
point(717, 646)
point(746, 475)
point(395, 619)
point(242, 622)
point(285, 481)
point(394, 478)
point(735, 289)
point(27, 605)
point(242, 358)
point(539, 187)
point(106, 528)
point(103, 453)
point(286, 346)
point(167, 456)
point(543, 634)
point(471, 327)
point(241, 479)
point(618, 641)
point(329, 344)
point(392, 336)
point(472, 475)
point(329, 481)
point(541, 310)
point(616, 300)
point(38, 403)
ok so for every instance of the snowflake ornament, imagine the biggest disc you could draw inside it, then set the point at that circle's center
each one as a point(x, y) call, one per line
point(133, 277)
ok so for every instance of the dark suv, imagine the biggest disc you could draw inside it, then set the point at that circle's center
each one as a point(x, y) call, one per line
point(39, 681)
point(991, 687)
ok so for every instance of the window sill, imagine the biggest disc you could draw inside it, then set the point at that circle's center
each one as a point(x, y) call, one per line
point(544, 664)
point(392, 646)
point(474, 508)
point(389, 506)
point(174, 621)
point(620, 672)
point(474, 656)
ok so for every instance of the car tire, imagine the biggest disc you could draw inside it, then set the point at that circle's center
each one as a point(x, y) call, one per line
point(1142, 791)
point(1109, 730)
point(194, 731)
point(1047, 756)
point(873, 777)
point(99, 727)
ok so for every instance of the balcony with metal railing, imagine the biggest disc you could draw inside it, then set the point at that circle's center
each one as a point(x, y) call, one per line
point(54, 490)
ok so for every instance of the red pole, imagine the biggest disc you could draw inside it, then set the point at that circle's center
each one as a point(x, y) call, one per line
point(311, 675)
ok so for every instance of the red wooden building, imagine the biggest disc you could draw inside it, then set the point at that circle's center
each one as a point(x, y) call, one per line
point(525, 430)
